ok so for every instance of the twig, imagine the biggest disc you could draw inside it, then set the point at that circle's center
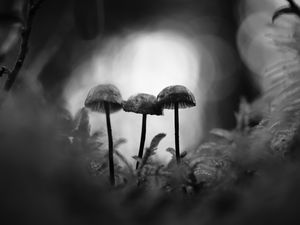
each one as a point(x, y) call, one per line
point(4, 70)
point(26, 30)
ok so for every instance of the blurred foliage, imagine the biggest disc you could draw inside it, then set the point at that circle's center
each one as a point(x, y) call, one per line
point(54, 170)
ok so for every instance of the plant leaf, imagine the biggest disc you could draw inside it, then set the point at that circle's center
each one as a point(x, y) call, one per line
point(156, 140)
point(151, 150)
point(171, 151)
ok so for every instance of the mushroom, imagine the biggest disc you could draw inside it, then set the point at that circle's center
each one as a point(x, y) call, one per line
point(142, 104)
point(174, 97)
point(106, 98)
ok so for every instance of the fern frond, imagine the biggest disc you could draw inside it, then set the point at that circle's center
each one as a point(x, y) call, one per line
point(148, 168)
point(124, 160)
point(119, 142)
point(282, 90)
point(156, 140)
point(151, 150)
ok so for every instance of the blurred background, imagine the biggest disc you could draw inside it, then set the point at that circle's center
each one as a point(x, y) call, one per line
point(216, 48)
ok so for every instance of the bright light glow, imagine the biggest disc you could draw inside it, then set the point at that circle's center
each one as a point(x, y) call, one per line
point(143, 62)
point(150, 62)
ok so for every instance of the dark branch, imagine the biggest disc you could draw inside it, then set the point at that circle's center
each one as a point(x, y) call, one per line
point(282, 11)
point(293, 8)
point(292, 4)
point(26, 31)
point(4, 70)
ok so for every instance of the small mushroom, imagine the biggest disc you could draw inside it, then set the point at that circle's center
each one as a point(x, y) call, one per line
point(142, 104)
point(106, 98)
point(174, 97)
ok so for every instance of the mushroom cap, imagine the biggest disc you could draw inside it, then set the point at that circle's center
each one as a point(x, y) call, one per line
point(104, 93)
point(142, 104)
point(176, 94)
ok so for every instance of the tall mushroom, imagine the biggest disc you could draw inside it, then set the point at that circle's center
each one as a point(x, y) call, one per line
point(142, 104)
point(106, 98)
point(174, 97)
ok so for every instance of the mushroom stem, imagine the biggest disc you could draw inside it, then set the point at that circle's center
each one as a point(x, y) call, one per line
point(176, 121)
point(143, 137)
point(110, 145)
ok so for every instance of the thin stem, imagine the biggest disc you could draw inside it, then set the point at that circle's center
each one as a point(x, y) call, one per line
point(143, 137)
point(110, 145)
point(176, 121)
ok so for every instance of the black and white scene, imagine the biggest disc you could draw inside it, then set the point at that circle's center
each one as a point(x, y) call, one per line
point(150, 112)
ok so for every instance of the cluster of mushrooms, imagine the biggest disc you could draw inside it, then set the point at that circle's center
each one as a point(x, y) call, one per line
point(106, 98)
